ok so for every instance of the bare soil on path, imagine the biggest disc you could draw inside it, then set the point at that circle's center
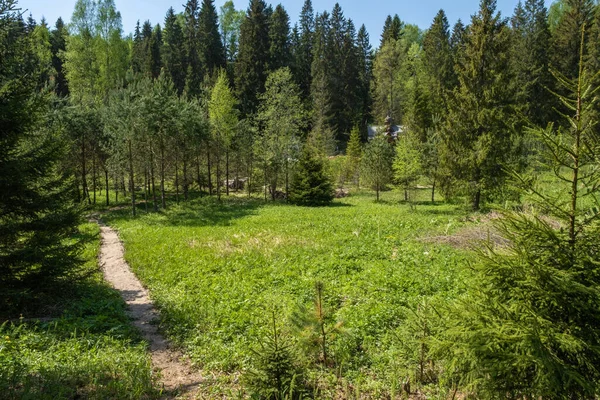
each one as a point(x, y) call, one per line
point(176, 373)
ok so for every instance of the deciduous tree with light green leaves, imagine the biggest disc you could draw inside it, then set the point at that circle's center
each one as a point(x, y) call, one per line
point(223, 118)
point(282, 117)
point(407, 162)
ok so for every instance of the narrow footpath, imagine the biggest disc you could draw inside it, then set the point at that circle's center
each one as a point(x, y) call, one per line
point(176, 374)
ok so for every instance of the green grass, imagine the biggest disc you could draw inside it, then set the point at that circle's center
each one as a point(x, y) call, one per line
point(90, 350)
point(217, 270)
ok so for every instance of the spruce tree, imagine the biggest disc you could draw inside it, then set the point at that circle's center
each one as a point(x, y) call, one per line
point(477, 138)
point(528, 326)
point(322, 90)
point(530, 60)
point(154, 56)
point(173, 50)
point(58, 41)
point(137, 50)
point(193, 64)
point(279, 39)
point(311, 185)
point(253, 58)
point(365, 75)
point(36, 196)
point(392, 29)
point(304, 53)
point(212, 52)
point(438, 61)
point(567, 38)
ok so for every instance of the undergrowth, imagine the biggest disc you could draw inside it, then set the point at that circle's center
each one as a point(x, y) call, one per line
point(90, 350)
point(216, 270)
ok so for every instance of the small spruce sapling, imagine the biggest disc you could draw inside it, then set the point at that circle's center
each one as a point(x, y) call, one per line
point(275, 375)
point(311, 185)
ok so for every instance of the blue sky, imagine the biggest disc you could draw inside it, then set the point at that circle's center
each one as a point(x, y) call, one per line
point(370, 12)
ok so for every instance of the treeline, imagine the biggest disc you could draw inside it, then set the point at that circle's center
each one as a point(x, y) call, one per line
point(464, 94)
point(165, 71)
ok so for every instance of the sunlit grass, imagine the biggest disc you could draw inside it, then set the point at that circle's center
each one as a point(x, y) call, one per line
point(216, 270)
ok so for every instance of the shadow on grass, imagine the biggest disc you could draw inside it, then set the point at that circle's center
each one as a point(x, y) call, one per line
point(40, 295)
point(205, 211)
point(197, 212)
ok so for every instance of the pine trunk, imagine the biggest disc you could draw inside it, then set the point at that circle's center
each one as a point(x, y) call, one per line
point(131, 180)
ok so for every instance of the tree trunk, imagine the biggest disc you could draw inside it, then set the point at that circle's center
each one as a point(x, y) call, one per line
point(198, 174)
point(131, 180)
point(94, 178)
point(86, 192)
point(176, 180)
point(210, 188)
point(146, 188)
point(287, 179)
point(107, 187)
point(162, 177)
point(152, 181)
point(405, 194)
point(218, 174)
point(433, 191)
point(227, 171)
point(477, 200)
point(185, 180)
point(265, 183)
point(116, 189)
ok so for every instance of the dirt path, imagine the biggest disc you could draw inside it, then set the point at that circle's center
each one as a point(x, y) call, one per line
point(176, 374)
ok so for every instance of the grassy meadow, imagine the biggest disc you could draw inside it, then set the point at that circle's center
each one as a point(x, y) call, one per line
point(73, 340)
point(220, 271)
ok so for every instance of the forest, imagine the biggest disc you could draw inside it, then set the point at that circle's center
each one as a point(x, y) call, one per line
point(314, 213)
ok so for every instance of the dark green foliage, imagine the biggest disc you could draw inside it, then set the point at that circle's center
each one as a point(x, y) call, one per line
point(58, 40)
point(477, 137)
point(193, 62)
point(275, 375)
point(212, 52)
point(530, 61)
point(173, 50)
point(37, 212)
point(155, 59)
point(392, 29)
point(336, 75)
point(253, 58)
point(303, 52)
point(529, 327)
point(567, 38)
point(365, 75)
point(310, 186)
point(279, 39)
point(137, 50)
point(438, 61)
